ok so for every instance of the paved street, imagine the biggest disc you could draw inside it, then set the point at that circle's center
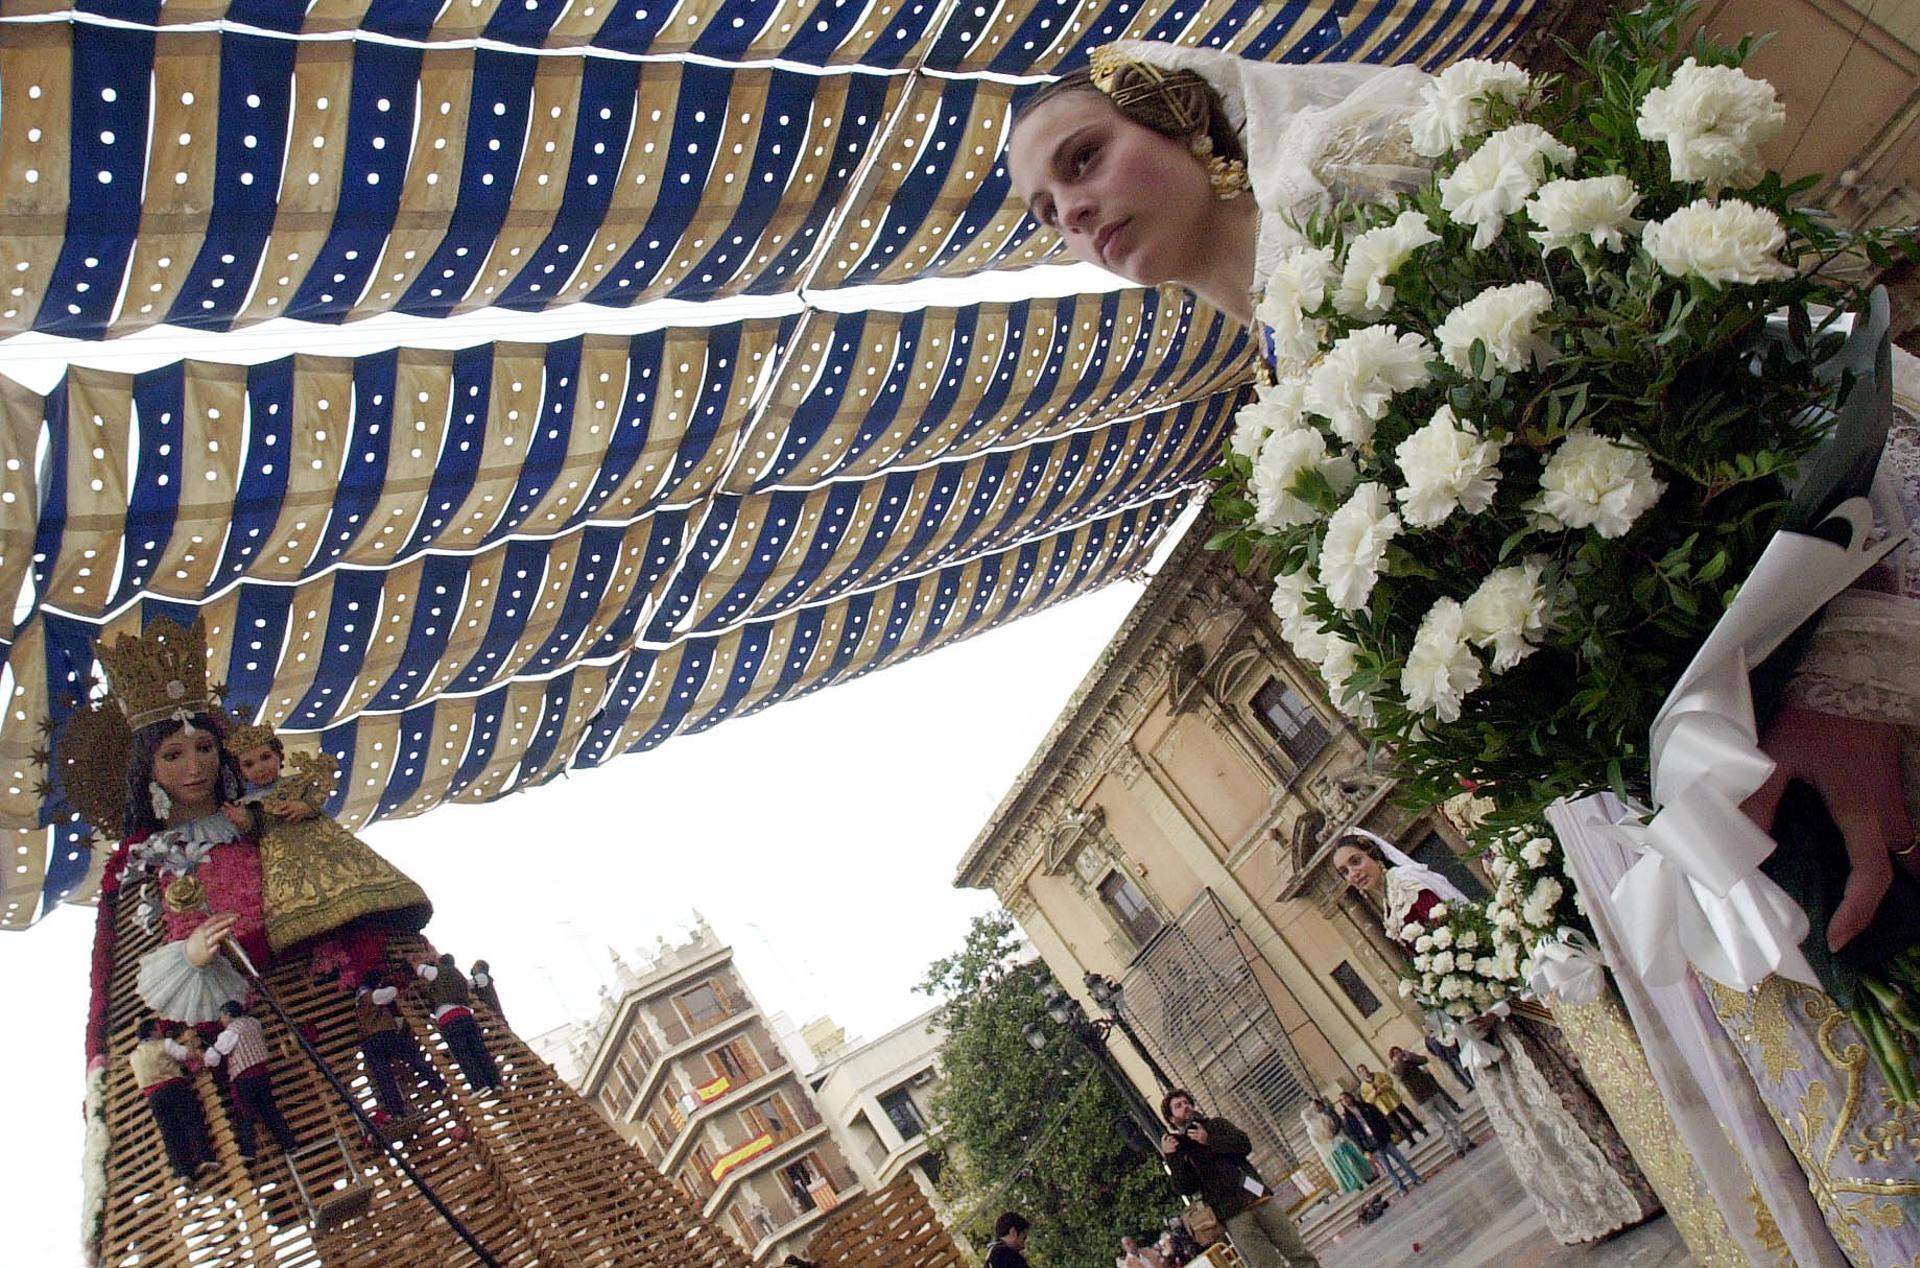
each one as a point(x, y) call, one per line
point(1474, 1213)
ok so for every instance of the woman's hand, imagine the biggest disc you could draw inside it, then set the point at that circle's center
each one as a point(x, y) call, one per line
point(1854, 764)
point(204, 942)
point(239, 816)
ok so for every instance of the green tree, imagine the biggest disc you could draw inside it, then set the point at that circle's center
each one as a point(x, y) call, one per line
point(1042, 1133)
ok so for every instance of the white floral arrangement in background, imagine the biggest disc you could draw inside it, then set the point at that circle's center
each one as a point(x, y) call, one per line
point(1532, 424)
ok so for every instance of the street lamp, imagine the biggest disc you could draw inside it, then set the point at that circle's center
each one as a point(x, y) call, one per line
point(1091, 1034)
point(1112, 996)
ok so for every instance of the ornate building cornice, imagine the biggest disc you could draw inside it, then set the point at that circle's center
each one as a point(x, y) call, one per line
point(1194, 590)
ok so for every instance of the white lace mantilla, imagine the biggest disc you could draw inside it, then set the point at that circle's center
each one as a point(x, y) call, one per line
point(1314, 135)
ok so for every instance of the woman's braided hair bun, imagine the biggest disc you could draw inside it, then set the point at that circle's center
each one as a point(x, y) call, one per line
point(1174, 103)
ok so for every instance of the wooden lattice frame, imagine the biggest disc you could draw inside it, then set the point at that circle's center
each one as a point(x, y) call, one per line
point(536, 1173)
point(895, 1227)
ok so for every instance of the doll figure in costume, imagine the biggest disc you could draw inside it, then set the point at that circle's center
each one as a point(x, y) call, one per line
point(212, 872)
point(318, 878)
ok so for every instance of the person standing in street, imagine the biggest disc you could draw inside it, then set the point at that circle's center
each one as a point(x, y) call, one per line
point(1378, 1089)
point(1208, 1157)
point(1425, 1091)
point(1367, 1127)
point(1009, 1241)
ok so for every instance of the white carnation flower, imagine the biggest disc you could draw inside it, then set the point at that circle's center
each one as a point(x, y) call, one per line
point(1372, 258)
point(1301, 629)
point(1546, 893)
point(1422, 963)
point(1284, 456)
point(1443, 962)
point(1593, 482)
point(1290, 594)
point(1507, 613)
point(1337, 662)
point(1437, 912)
point(1467, 940)
point(1504, 918)
point(1410, 931)
point(1453, 104)
point(1714, 120)
point(1275, 407)
point(1537, 851)
point(1598, 209)
point(1354, 385)
point(1728, 241)
point(1423, 943)
point(1355, 546)
point(1301, 278)
point(1507, 320)
point(1448, 467)
point(1443, 936)
point(1451, 988)
point(1499, 178)
point(1441, 670)
point(1406, 988)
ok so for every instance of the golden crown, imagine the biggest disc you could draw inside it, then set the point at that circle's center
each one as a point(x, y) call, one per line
point(251, 736)
point(160, 673)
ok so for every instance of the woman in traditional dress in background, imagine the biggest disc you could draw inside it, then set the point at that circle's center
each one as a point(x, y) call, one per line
point(1565, 1151)
point(1344, 1162)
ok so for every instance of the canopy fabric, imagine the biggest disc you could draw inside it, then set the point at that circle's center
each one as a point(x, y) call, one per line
point(465, 572)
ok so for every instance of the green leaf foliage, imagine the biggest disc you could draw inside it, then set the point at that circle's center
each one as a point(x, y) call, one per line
point(1041, 1133)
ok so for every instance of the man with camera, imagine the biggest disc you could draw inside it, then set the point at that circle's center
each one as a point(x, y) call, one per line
point(1208, 1158)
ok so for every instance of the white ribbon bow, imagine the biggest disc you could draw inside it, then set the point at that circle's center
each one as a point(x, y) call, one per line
point(1697, 894)
point(1568, 966)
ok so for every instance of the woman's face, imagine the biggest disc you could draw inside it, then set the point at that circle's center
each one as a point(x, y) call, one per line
point(1359, 869)
point(1122, 196)
point(187, 765)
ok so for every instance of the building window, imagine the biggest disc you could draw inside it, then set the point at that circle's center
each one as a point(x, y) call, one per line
point(904, 1113)
point(771, 1119)
point(702, 1005)
point(1292, 719)
point(930, 1166)
point(1364, 1001)
point(724, 1062)
point(1434, 852)
point(801, 1179)
point(1130, 907)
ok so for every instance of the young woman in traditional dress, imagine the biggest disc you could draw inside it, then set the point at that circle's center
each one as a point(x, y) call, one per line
point(1564, 1149)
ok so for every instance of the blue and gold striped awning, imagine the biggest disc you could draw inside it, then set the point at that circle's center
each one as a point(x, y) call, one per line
point(465, 571)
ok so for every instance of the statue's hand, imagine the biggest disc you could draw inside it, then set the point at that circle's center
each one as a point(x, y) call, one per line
point(204, 942)
point(1854, 764)
point(239, 816)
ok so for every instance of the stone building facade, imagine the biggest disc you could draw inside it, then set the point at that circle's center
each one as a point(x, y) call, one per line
point(1174, 833)
point(681, 1061)
point(877, 1096)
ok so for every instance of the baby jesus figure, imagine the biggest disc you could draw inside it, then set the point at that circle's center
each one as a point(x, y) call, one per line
point(319, 882)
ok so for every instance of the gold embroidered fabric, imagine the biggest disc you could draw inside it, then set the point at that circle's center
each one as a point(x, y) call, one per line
point(1859, 1147)
point(1613, 1061)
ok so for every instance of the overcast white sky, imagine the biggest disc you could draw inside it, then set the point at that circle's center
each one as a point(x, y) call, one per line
point(819, 837)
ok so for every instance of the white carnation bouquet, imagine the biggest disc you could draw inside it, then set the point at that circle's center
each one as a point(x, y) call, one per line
point(1534, 422)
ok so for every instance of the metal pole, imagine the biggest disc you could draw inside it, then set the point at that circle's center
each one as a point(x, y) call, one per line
point(358, 1111)
point(1159, 1075)
point(1094, 1041)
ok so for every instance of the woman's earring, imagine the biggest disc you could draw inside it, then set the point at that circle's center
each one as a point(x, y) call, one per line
point(1227, 176)
point(162, 804)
